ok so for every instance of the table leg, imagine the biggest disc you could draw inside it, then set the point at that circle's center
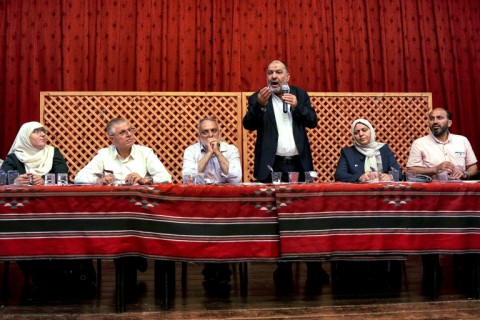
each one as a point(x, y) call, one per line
point(119, 285)
point(432, 275)
point(475, 274)
point(184, 275)
point(165, 281)
point(243, 278)
point(6, 277)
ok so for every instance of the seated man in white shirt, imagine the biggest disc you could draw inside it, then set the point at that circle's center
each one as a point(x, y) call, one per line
point(220, 163)
point(431, 154)
point(128, 163)
point(123, 161)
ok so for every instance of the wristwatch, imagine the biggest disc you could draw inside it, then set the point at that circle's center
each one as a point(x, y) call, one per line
point(466, 174)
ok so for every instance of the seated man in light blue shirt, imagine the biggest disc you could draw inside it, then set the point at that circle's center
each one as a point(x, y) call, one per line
point(124, 162)
point(220, 163)
point(218, 160)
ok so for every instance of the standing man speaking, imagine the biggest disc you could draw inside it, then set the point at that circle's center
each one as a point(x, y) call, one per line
point(282, 141)
point(280, 114)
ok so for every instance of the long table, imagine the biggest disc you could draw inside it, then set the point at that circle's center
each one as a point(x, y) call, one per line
point(340, 220)
point(195, 223)
point(163, 222)
point(239, 223)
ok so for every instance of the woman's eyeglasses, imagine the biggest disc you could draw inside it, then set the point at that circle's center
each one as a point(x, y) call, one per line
point(40, 130)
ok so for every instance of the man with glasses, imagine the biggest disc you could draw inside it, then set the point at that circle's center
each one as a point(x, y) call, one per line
point(220, 163)
point(217, 160)
point(129, 163)
point(123, 161)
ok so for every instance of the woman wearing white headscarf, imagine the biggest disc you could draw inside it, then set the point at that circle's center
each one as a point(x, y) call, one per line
point(32, 157)
point(358, 162)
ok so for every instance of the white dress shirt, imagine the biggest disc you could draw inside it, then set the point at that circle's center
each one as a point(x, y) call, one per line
point(286, 144)
point(194, 153)
point(142, 160)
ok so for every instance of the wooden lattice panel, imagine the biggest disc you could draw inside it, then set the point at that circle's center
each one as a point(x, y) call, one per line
point(165, 121)
point(398, 119)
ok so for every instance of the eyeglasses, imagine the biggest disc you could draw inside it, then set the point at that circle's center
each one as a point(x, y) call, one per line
point(40, 130)
point(205, 132)
point(124, 132)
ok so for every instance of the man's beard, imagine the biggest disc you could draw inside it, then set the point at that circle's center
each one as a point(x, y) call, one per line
point(439, 131)
point(275, 91)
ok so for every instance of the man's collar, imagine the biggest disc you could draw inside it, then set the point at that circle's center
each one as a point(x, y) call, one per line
point(442, 142)
point(116, 154)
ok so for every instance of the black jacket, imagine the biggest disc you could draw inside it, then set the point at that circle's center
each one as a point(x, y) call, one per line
point(264, 122)
point(351, 164)
point(59, 164)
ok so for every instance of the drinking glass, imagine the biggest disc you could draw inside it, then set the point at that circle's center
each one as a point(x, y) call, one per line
point(395, 175)
point(188, 179)
point(293, 177)
point(310, 176)
point(276, 177)
point(442, 175)
point(12, 176)
point(199, 178)
point(3, 178)
point(50, 179)
point(62, 179)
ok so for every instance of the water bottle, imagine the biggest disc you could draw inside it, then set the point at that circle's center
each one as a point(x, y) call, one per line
point(3, 178)
point(378, 157)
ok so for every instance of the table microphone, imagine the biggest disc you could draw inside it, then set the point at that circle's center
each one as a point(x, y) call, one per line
point(285, 89)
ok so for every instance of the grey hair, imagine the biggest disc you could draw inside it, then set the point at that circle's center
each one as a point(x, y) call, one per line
point(207, 119)
point(111, 123)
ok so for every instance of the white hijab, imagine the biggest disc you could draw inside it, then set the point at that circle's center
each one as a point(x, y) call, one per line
point(371, 149)
point(37, 161)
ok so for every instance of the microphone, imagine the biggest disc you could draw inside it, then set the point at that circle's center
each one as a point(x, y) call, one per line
point(285, 89)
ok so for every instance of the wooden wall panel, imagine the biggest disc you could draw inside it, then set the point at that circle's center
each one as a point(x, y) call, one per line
point(398, 119)
point(166, 122)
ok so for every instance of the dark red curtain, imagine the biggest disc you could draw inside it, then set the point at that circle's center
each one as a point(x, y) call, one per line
point(198, 45)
